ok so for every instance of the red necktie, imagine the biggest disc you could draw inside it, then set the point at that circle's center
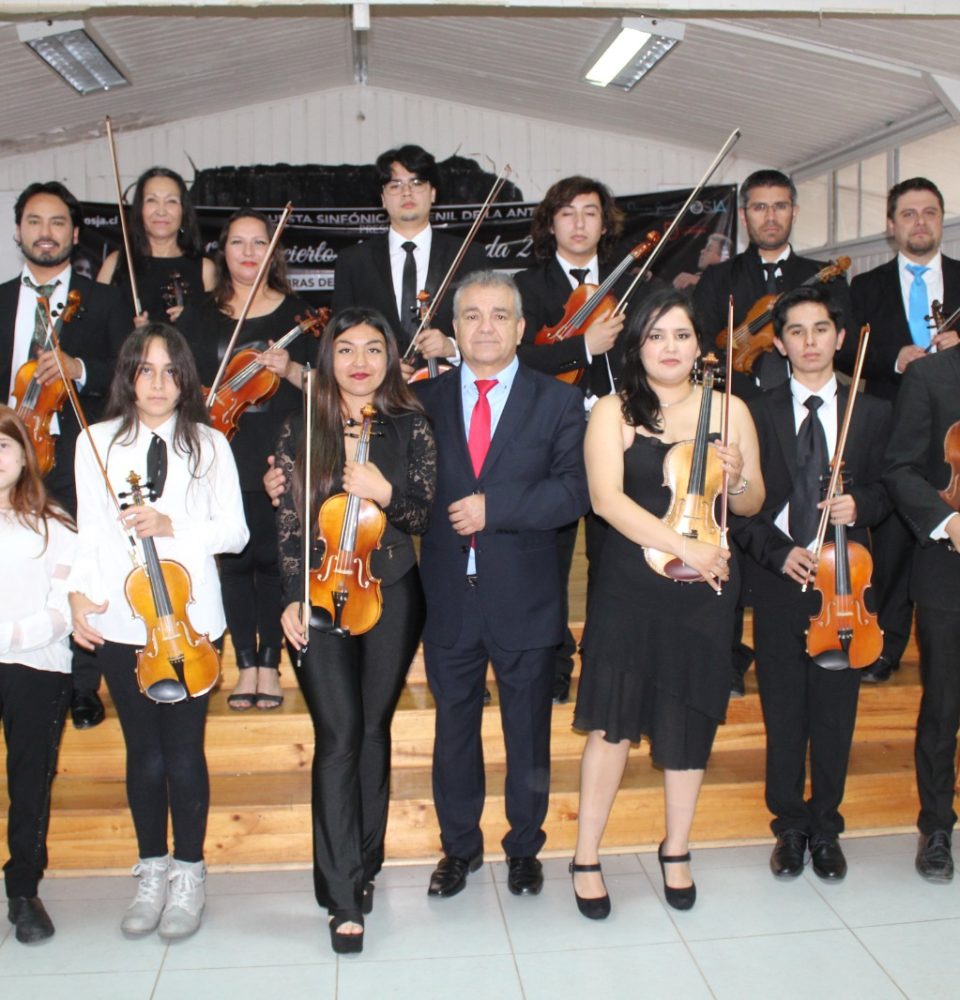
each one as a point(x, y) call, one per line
point(478, 440)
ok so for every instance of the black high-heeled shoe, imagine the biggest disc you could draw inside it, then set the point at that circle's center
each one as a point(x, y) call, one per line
point(366, 903)
point(592, 909)
point(679, 899)
point(345, 944)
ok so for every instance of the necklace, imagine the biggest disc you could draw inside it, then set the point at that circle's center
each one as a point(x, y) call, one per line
point(666, 406)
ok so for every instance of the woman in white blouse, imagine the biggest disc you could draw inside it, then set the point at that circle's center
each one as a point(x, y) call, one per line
point(37, 544)
point(156, 426)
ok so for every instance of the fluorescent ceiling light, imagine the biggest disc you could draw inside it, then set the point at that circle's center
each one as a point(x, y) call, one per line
point(636, 46)
point(66, 48)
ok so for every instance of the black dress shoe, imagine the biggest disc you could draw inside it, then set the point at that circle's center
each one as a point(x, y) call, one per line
point(737, 687)
point(450, 876)
point(934, 858)
point(827, 859)
point(593, 908)
point(86, 709)
point(787, 858)
point(878, 671)
point(525, 876)
point(561, 689)
point(31, 920)
point(684, 897)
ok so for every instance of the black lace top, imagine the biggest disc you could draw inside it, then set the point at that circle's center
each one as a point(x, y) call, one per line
point(403, 450)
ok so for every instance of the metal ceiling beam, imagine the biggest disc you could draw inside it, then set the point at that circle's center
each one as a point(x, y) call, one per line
point(947, 89)
point(823, 8)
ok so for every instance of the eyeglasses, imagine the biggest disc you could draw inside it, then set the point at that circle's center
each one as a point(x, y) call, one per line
point(411, 184)
point(761, 207)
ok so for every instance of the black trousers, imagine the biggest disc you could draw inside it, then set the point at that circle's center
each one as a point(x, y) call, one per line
point(250, 585)
point(893, 545)
point(351, 685)
point(525, 684)
point(938, 633)
point(33, 707)
point(166, 766)
point(803, 706)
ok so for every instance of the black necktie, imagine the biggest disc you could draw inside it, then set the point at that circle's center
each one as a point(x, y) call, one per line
point(156, 466)
point(812, 462)
point(580, 273)
point(770, 270)
point(408, 290)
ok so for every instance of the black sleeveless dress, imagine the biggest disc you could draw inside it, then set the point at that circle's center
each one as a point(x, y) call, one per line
point(656, 654)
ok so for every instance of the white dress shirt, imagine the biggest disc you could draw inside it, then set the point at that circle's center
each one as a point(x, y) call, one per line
point(398, 257)
point(34, 606)
point(206, 510)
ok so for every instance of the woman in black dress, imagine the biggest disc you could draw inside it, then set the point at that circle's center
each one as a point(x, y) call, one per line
point(656, 653)
point(168, 260)
point(352, 683)
point(251, 580)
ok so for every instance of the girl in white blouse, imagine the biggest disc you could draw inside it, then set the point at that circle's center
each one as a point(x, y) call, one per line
point(37, 542)
point(156, 426)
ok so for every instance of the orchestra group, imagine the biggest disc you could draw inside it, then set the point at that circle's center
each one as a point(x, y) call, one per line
point(732, 440)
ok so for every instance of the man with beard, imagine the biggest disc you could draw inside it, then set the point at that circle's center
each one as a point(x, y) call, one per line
point(768, 210)
point(47, 220)
point(895, 299)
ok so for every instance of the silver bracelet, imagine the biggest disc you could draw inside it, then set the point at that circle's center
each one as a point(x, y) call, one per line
point(736, 493)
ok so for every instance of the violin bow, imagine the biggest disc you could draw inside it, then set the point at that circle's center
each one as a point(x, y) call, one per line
point(137, 308)
point(434, 304)
point(725, 424)
point(78, 411)
point(837, 461)
point(694, 194)
point(306, 386)
point(241, 319)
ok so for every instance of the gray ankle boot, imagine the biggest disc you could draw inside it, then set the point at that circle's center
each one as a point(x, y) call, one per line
point(185, 900)
point(143, 914)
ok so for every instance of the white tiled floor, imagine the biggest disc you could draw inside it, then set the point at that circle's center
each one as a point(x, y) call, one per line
point(883, 933)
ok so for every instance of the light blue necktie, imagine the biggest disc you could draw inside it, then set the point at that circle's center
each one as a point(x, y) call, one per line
point(919, 307)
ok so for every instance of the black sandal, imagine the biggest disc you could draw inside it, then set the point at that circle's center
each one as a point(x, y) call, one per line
point(243, 702)
point(366, 903)
point(346, 944)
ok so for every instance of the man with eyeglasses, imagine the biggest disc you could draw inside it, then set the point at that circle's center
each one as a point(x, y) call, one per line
point(389, 270)
point(769, 266)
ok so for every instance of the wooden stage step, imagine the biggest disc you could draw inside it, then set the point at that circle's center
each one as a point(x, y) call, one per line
point(260, 780)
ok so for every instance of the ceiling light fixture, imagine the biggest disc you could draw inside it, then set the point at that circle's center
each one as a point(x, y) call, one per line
point(631, 50)
point(66, 48)
point(360, 17)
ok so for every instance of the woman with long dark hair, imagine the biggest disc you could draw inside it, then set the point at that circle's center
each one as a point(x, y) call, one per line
point(251, 579)
point(168, 259)
point(37, 543)
point(656, 653)
point(156, 425)
point(352, 683)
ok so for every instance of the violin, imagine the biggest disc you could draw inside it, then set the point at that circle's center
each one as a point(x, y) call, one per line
point(176, 662)
point(248, 383)
point(754, 336)
point(434, 366)
point(175, 291)
point(35, 403)
point(844, 633)
point(345, 597)
point(951, 455)
point(694, 474)
point(589, 303)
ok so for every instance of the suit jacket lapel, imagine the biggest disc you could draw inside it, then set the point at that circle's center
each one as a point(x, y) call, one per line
point(380, 251)
point(781, 405)
point(439, 262)
point(521, 396)
point(893, 299)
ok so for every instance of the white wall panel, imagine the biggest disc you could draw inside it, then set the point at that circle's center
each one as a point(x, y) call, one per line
point(355, 124)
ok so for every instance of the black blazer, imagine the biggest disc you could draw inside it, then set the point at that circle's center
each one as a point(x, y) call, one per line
point(928, 405)
point(94, 335)
point(534, 482)
point(878, 300)
point(545, 290)
point(765, 544)
point(362, 278)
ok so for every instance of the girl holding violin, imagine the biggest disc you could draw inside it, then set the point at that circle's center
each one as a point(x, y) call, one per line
point(156, 426)
point(352, 683)
point(168, 261)
point(251, 580)
point(656, 653)
point(37, 542)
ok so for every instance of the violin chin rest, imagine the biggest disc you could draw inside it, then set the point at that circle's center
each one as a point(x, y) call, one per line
point(832, 659)
point(681, 572)
point(167, 692)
